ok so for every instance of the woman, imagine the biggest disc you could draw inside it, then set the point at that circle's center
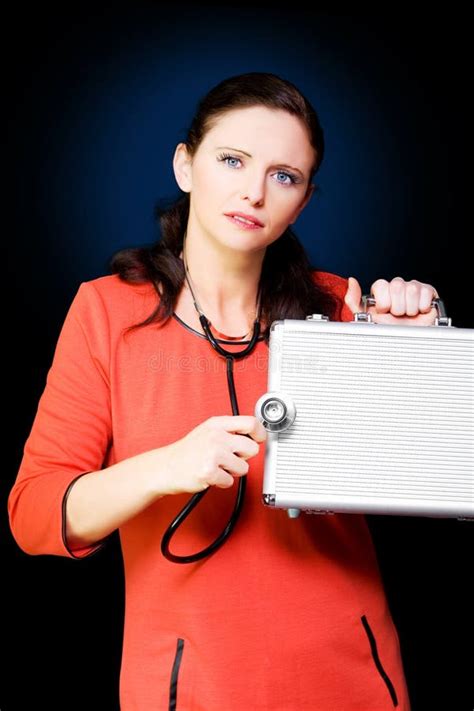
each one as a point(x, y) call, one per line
point(135, 417)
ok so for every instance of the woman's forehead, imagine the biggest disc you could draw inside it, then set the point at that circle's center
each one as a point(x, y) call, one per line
point(259, 128)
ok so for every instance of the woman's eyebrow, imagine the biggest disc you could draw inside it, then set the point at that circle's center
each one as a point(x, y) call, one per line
point(277, 165)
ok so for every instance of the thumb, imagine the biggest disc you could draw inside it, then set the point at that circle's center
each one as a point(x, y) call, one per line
point(353, 295)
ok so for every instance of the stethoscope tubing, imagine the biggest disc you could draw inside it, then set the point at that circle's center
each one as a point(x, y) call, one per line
point(196, 498)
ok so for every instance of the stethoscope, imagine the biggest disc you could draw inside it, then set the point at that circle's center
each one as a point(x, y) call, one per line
point(196, 498)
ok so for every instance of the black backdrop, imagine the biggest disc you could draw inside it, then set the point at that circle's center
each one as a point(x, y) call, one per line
point(91, 99)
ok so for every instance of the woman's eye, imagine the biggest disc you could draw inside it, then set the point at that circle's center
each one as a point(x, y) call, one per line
point(286, 175)
point(289, 179)
point(227, 158)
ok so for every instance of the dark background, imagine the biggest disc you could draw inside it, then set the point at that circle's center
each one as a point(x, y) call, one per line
point(95, 102)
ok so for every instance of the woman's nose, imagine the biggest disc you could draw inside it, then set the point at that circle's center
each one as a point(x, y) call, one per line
point(254, 189)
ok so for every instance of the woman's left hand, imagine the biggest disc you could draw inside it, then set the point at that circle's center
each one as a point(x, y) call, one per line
point(398, 302)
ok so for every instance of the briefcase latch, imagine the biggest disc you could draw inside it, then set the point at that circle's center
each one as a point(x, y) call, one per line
point(317, 317)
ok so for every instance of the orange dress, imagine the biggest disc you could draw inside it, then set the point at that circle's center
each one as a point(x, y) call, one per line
point(288, 614)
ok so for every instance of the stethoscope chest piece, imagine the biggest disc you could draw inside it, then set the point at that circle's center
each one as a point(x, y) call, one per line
point(276, 411)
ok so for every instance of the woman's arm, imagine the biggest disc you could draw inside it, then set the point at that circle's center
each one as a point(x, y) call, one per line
point(101, 501)
point(72, 430)
point(213, 453)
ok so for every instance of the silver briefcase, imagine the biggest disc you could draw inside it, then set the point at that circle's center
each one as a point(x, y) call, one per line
point(369, 418)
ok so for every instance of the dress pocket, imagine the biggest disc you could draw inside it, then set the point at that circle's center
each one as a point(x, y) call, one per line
point(377, 662)
point(175, 675)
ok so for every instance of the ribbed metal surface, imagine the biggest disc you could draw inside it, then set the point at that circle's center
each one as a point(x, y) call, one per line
point(384, 422)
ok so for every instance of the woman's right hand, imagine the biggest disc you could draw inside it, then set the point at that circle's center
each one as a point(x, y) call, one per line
point(214, 453)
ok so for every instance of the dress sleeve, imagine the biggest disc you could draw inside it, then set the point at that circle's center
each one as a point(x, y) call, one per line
point(338, 286)
point(71, 432)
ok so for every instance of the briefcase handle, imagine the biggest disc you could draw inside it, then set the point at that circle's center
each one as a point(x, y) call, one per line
point(368, 300)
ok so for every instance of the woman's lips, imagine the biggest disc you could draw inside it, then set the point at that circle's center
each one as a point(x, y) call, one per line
point(243, 225)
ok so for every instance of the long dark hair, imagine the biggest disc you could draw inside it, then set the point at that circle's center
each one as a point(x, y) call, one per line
point(287, 287)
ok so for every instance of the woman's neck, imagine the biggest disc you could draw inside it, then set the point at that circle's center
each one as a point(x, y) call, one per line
point(224, 281)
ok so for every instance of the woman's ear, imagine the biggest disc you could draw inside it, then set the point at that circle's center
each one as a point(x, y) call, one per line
point(182, 166)
point(304, 202)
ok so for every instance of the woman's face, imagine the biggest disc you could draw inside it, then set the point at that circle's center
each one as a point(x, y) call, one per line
point(255, 161)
